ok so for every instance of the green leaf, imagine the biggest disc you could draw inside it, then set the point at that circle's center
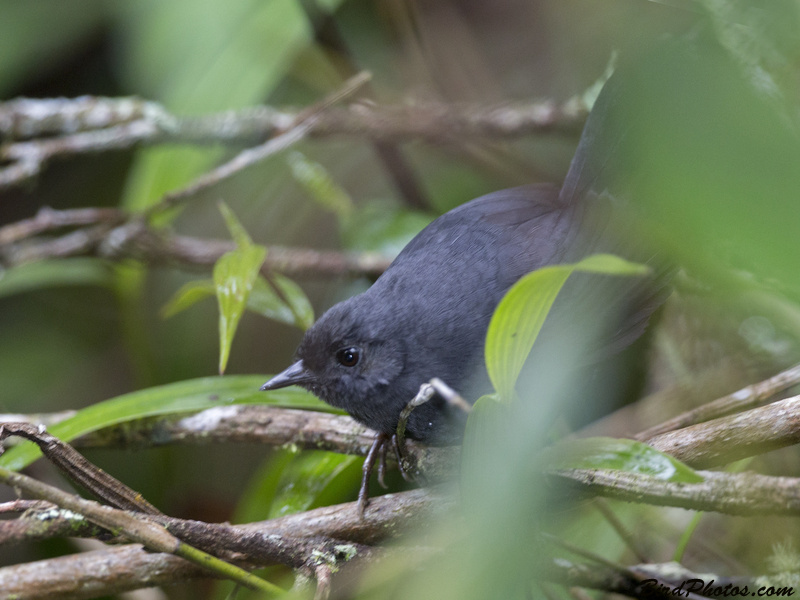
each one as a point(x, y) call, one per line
point(188, 295)
point(305, 478)
point(293, 309)
point(619, 455)
point(522, 311)
point(320, 186)
point(54, 273)
point(234, 276)
point(255, 502)
point(180, 397)
point(292, 482)
point(237, 231)
point(263, 300)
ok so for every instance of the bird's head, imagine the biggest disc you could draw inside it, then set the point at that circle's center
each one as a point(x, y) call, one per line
point(351, 364)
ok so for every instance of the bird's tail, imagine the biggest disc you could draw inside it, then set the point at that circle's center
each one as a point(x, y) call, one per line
point(594, 167)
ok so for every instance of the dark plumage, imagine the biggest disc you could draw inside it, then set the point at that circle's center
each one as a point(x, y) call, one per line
point(427, 315)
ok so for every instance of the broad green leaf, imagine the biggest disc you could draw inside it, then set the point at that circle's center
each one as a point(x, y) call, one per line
point(188, 295)
point(295, 310)
point(54, 273)
point(522, 311)
point(291, 482)
point(305, 478)
point(619, 455)
point(234, 276)
point(320, 186)
point(254, 504)
point(180, 397)
point(516, 324)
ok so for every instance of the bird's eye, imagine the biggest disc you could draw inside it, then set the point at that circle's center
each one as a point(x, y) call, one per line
point(348, 357)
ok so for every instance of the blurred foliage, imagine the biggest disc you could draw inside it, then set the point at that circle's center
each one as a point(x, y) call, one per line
point(55, 273)
point(711, 150)
point(619, 455)
point(521, 314)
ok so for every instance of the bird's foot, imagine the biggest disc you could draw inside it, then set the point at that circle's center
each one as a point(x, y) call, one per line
point(399, 445)
point(380, 445)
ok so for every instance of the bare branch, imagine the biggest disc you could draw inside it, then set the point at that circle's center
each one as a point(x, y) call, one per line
point(646, 581)
point(723, 441)
point(19, 506)
point(324, 575)
point(48, 219)
point(78, 469)
point(331, 535)
point(274, 426)
point(25, 118)
point(701, 446)
point(744, 494)
point(44, 520)
point(135, 239)
point(745, 398)
point(78, 576)
point(135, 527)
point(91, 125)
point(76, 243)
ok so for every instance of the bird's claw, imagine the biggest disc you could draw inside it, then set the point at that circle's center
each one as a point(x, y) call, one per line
point(399, 445)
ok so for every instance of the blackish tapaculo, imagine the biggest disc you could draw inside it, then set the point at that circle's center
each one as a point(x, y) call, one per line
point(428, 314)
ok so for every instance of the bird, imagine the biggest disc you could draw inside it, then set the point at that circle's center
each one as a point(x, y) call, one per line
point(427, 315)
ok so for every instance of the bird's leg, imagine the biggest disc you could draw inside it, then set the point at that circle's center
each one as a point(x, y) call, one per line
point(369, 462)
point(377, 452)
point(399, 452)
point(382, 465)
point(426, 392)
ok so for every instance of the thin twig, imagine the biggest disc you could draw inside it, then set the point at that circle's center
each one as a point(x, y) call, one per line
point(290, 537)
point(744, 494)
point(154, 246)
point(92, 125)
point(78, 469)
point(19, 506)
point(745, 398)
point(241, 161)
point(619, 527)
point(301, 126)
point(153, 536)
point(48, 219)
point(725, 440)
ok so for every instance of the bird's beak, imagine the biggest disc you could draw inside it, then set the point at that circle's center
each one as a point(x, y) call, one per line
point(294, 375)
